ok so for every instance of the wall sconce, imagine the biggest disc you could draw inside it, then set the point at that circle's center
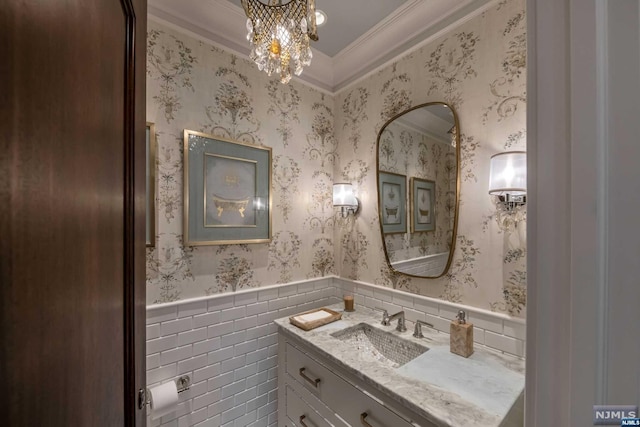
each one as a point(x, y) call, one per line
point(344, 198)
point(508, 179)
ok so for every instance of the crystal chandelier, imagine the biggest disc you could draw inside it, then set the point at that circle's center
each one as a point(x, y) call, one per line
point(279, 35)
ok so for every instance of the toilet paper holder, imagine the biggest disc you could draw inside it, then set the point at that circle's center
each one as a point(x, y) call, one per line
point(182, 384)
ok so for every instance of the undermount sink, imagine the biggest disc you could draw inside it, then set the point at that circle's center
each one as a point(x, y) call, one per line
point(375, 344)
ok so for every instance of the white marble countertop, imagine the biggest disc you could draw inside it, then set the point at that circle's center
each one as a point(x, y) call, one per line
point(444, 388)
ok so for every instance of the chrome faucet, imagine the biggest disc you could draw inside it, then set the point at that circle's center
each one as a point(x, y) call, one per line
point(386, 319)
point(417, 332)
point(400, 316)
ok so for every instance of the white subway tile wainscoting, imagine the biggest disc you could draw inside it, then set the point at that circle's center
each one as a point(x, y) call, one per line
point(227, 343)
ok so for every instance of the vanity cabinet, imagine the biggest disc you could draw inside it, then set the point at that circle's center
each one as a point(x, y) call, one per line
point(314, 392)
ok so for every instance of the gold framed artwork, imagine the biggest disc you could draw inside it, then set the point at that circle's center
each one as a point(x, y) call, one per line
point(422, 206)
point(227, 191)
point(151, 148)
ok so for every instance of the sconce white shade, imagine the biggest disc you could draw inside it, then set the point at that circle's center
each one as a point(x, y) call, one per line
point(344, 198)
point(508, 174)
point(343, 195)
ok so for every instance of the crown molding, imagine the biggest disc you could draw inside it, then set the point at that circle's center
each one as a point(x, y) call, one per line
point(408, 27)
point(218, 21)
point(223, 24)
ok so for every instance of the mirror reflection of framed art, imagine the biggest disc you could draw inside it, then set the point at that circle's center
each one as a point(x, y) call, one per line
point(393, 202)
point(422, 206)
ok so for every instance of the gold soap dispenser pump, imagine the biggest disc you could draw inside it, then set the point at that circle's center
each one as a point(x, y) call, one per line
point(461, 334)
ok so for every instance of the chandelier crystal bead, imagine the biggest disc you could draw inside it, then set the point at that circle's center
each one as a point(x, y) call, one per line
point(279, 35)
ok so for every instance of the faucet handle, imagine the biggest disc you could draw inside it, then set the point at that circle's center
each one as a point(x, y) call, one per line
point(385, 315)
point(383, 310)
point(417, 332)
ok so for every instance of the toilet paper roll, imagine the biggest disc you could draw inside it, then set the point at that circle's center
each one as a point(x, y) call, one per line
point(164, 399)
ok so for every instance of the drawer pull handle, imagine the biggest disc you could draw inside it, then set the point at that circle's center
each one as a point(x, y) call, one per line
point(363, 420)
point(302, 417)
point(310, 380)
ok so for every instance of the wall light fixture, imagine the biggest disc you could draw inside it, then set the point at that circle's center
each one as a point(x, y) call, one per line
point(508, 179)
point(508, 184)
point(344, 198)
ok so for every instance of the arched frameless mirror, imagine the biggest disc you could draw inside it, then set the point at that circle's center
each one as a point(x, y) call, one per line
point(418, 163)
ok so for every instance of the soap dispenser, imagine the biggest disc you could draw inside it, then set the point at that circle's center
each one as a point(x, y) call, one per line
point(461, 335)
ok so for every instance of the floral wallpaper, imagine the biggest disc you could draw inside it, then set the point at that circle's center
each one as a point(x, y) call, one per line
point(194, 85)
point(317, 138)
point(478, 67)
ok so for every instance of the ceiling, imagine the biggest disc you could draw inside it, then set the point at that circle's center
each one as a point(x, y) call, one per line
point(359, 36)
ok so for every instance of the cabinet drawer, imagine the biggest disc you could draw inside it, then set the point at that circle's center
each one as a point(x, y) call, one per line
point(312, 401)
point(301, 413)
point(358, 409)
point(349, 402)
point(314, 376)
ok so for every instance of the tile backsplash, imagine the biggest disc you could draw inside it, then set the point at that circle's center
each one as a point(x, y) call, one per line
point(495, 330)
point(228, 343)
